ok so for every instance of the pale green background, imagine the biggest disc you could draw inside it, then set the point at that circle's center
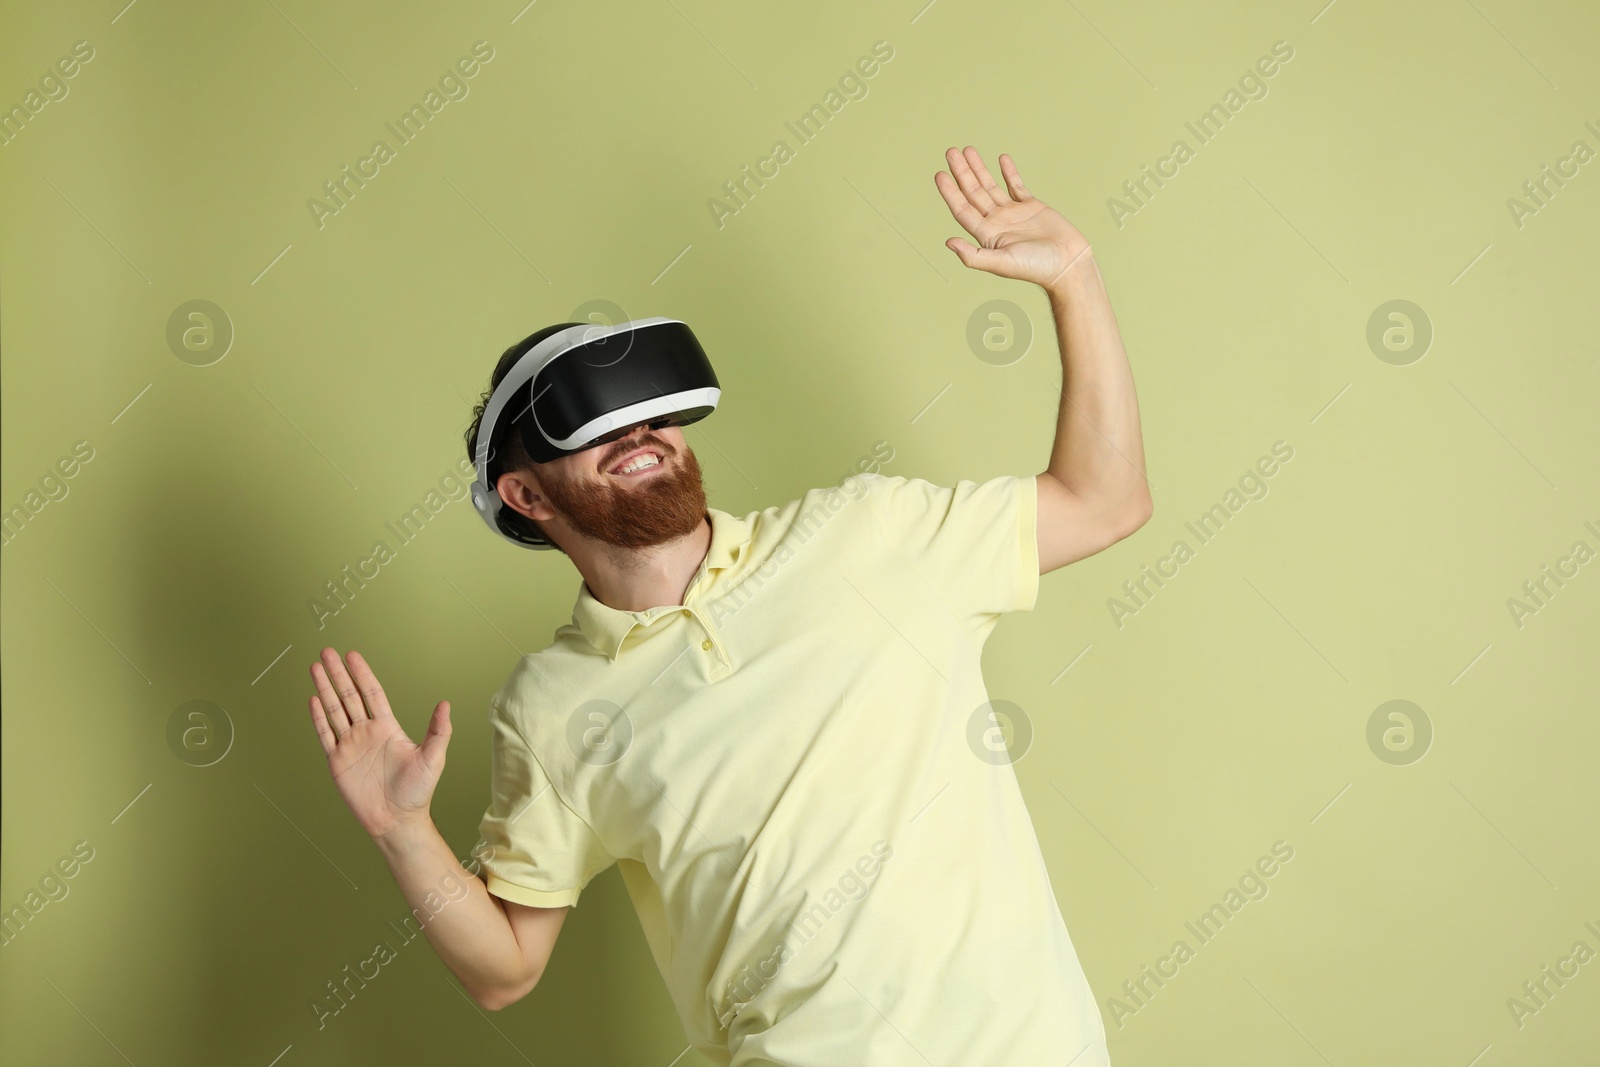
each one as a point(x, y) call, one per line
point(1177, 749)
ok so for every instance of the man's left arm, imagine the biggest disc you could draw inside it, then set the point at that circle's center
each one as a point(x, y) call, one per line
point(1093, 492)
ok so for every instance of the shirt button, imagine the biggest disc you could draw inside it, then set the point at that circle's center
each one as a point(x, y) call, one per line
point(706, 644)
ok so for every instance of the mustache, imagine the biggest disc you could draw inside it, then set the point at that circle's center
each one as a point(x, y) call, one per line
point(626, 446)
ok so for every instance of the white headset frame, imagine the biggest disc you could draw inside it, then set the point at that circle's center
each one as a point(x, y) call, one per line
point(485, 497)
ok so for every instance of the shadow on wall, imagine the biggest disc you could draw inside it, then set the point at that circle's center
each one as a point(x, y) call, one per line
point(221, 556)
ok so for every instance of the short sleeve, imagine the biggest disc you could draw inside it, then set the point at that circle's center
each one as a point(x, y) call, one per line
point(541, 853)
point(976, 542)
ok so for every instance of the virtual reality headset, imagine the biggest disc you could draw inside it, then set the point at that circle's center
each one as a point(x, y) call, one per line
point(588, 385)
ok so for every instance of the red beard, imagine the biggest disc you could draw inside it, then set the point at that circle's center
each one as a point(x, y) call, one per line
point(669, 505)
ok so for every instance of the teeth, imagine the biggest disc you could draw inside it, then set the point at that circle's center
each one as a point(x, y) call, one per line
point(642, 462)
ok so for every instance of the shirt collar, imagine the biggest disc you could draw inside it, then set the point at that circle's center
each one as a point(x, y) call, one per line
point(606, 627)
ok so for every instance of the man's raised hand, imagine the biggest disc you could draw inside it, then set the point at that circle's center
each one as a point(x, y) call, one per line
point(1019, 235)
point(386, 780)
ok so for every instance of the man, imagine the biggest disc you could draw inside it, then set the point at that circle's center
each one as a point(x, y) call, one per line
point(776, 727)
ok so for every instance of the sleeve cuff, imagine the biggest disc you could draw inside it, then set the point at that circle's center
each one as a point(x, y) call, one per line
point(533, 898)
point(1027, 543)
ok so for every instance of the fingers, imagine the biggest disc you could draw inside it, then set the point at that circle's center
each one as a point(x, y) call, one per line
point(1008, 167)
point(971, 186)
point(438, 736)
point(959, 205)
point(329, 702)
point(986, 180)
point(325, 732)
point(349, 696)
point(340, 702)
point(367, 683)
point(337, 695)
point(980, 258)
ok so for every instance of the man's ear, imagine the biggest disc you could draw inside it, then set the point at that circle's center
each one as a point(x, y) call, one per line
point(521, 494)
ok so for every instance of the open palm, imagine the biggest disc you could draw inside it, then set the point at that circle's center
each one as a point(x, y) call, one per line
point(385, 778)
point(1019, 236)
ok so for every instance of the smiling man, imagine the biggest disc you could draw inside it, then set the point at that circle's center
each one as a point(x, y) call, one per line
point(830, 862)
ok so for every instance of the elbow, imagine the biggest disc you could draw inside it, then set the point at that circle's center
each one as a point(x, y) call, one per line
point(1143, 508)
point(1134, 513)
point(491, 1000)
point(499, 998)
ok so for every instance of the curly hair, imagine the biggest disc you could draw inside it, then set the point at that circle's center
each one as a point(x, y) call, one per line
point(506, 450)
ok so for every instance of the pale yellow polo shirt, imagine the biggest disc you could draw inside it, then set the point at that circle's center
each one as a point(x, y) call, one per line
point(788, 771)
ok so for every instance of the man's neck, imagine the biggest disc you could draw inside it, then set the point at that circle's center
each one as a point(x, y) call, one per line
point(640, 578)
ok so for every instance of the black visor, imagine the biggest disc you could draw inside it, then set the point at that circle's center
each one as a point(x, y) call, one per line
point(597, 391)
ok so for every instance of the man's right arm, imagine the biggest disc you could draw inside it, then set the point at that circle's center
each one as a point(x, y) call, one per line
point(498, 951)
point(497, 948)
